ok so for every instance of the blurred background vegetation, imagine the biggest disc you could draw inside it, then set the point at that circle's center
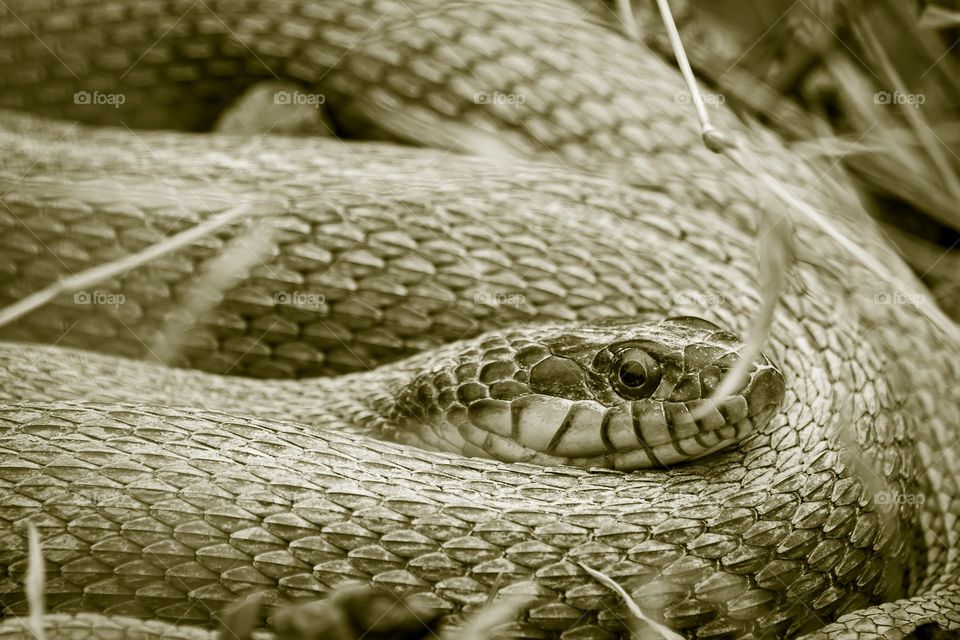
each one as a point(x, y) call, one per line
point(871, 84)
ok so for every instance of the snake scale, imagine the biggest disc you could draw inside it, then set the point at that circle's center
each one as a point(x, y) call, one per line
point(588, 212)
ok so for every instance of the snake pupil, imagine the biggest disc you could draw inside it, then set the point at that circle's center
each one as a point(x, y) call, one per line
point(633, 374)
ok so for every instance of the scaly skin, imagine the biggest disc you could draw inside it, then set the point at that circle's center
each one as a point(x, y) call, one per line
point(85, 626)
point(776, 537)
point(548, 394)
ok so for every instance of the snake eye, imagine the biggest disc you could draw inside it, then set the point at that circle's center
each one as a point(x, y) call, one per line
point(635, 374)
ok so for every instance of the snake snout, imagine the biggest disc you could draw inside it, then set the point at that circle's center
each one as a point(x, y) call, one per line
point(764, 391)
point(624, 396)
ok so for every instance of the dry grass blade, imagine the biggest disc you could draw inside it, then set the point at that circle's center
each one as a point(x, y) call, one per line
point(936, 17)
point(920, 127)
point(231, 265)
point(870, 476)
point(840, 147)
point(665, 632)
point(481, 625)
point(929, 309)
point(901, 167)
point(875, 140)
point(775, 245)
point(706, 128)
point(120, 266)
point(34, 583)
point(627, 20)
point(848, 146)
point(239, 620)
point(926, 258)
point(717, 142)
point(775, 253)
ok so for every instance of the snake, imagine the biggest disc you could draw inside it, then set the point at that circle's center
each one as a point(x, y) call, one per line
point(474, 353)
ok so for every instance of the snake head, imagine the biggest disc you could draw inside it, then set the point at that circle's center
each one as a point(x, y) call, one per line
point(618, 395)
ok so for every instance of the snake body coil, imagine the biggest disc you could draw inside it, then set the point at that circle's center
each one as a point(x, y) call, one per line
point(157, 492)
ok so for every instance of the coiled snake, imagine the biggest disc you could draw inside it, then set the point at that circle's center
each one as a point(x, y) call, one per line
point(162, 493)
